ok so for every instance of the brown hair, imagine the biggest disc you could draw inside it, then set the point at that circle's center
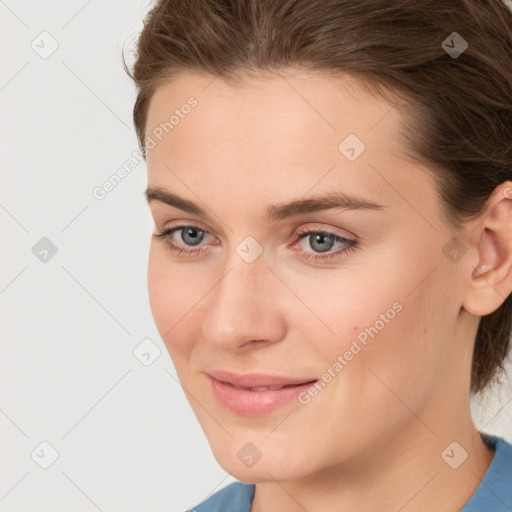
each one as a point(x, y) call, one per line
point(457, 109)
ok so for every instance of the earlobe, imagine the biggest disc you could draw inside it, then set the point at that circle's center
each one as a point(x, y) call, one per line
point(490, 282)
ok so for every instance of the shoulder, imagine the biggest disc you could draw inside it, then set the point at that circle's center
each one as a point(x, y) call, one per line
point(495, 490)
point(235, 497)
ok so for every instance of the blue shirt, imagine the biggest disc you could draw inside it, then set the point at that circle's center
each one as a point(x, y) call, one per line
point(494, 493)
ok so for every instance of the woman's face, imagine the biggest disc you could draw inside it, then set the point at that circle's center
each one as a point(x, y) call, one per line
point(377, 322)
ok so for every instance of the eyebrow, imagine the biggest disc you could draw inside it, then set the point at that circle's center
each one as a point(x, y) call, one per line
point(278, 211)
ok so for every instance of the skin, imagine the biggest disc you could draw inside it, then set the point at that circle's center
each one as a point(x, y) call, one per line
point(372, 439)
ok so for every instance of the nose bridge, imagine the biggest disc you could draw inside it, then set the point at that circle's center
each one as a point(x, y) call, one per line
point(244, 285)
point(242, 305)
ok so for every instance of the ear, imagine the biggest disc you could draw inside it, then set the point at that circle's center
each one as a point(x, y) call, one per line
point(490, 282)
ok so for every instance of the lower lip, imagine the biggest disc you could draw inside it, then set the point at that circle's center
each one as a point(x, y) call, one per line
point(254, 403)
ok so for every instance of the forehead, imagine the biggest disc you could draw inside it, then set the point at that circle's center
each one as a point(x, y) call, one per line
point(280, 135)
point(290, 103)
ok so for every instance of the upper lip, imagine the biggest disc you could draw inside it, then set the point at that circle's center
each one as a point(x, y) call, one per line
point(251, 380)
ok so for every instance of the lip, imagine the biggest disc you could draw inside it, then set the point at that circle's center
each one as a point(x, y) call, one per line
point(227, 388)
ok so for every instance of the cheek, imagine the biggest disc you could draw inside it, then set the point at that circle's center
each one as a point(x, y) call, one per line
point(355, 308)
point(405, 360)
point(175, 291)
point(385, 364)
point(160, 287)
point(170, 292)
point(387, 332)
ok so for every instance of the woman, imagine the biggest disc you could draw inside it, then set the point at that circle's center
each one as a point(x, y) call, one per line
point(336, 377)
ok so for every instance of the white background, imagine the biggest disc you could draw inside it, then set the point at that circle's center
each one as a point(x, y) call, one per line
point(126, 437)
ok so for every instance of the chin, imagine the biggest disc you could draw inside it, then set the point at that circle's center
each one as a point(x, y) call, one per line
point(269, 461)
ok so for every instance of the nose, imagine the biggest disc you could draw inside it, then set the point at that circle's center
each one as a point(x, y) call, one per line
point(246, 308)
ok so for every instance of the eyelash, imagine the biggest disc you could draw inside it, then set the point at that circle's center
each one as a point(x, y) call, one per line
point(349, 244)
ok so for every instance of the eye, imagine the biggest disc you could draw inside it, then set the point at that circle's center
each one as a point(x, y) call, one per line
point(320, 240)
point(190, 234)
point(323, 241)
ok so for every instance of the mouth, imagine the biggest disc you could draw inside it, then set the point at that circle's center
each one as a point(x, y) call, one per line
point(267, 388)
point(255, 381)
point(256, 394)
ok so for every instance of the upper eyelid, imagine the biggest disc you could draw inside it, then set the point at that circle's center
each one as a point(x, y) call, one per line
point(313, 227)
point(179, 227)
point(304, 226)
point(346, 234)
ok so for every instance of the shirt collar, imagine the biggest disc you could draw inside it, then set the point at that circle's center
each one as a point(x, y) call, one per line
point(494, 493)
